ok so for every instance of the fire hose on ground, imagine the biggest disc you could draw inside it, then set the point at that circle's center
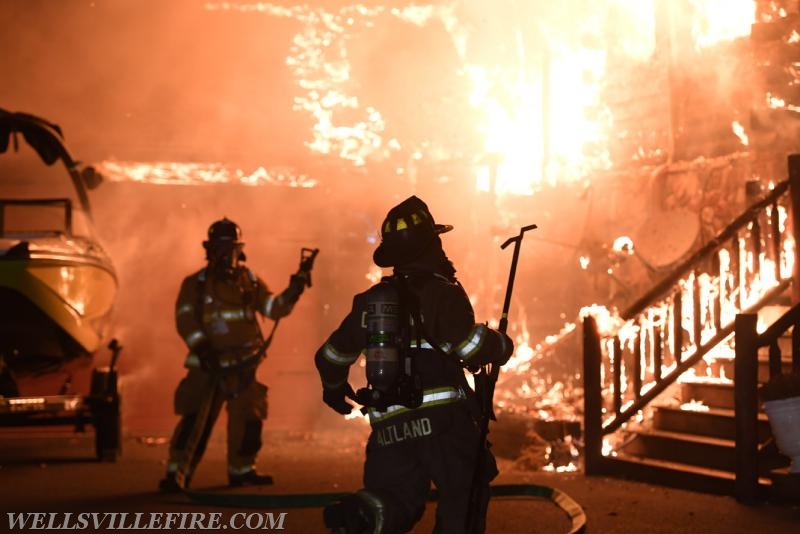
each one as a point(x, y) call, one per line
point(573, 510)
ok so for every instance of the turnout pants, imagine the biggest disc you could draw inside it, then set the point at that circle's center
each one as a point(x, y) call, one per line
point(246, 413)
point(398, 476)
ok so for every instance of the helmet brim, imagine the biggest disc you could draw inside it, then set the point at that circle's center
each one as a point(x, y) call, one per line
point(390, 254)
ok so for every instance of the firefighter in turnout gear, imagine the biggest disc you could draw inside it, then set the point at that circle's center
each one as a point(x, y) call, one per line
point(215, 314)
point(418, 331)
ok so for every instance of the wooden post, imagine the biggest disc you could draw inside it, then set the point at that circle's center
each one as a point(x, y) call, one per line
point(794, 195)
point(637, 364)
point(745, 397)
point(775, 231)
point(593, 399)
point(796, 350)
point(677, 327)
point(697, 310)
point(616, 366)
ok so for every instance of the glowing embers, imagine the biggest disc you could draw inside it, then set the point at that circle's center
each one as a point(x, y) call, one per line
point(562, 456)
point(525, 387)
point(694, 406)
point(177, 173)
point(740, 132)
point(609, 448)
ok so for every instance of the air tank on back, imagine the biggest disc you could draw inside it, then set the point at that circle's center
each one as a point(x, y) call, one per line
point(383, 333)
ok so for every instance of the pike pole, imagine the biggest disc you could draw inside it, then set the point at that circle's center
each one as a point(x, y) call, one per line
point(485, 380)
point(503, 326)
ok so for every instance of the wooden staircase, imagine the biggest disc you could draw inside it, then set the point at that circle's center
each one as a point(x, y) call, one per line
point(664, 401)
point(700, 433)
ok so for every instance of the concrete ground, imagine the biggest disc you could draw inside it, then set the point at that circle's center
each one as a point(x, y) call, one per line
point(56, 473)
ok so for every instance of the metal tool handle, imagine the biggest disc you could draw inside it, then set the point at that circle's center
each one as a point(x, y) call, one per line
point(517, 240)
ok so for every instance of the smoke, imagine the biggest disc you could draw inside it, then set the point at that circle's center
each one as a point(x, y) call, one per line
point(148, 80)
point(154, 233)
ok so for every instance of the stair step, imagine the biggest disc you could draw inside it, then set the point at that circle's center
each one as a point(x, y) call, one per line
point(675, 474)
point(712, 394)
point(785, 486)
point(698, 451)
point(713, 422)
point(784, 344)
point(724, 366)
point(772, 312)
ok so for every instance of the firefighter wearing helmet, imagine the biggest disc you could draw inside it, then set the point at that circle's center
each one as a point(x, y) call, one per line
point(216, 315)
point(418, 332)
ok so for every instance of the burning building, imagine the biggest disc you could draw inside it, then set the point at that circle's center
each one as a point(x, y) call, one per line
point(632, 132)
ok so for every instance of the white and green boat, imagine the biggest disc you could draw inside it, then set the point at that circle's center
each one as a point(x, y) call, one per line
point(57, 283)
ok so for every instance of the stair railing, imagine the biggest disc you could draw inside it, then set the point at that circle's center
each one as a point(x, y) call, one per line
point(745, 392)
point(667, 332)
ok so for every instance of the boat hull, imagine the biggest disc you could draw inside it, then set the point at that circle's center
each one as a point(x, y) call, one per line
point(71, 296)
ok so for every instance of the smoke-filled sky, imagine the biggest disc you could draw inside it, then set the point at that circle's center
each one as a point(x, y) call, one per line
point(148, 80)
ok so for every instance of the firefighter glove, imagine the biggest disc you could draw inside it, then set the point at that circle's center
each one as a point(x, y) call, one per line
point(507, 348)
point(296, 286)
point(336, 398)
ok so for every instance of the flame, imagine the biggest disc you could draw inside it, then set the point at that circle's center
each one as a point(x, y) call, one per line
point(608, 320)
point(551, 124)
point(608, 448)
point(694, 406)
point(319, 62)
point(176, 173)
point(569, 468)
point(374, 275)
point(541, 109)
point(739, 131)
point(523, 355)
point(721, 20)
point(357, 415)
point(537, 103)
point(709, 302)
point(623, 245)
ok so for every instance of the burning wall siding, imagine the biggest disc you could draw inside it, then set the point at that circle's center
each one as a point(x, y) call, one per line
point(776, 103)
point(678, 122)
point(681, 160)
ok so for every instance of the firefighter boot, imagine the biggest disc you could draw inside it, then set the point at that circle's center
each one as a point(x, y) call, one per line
point(249, 478)
point(169, 484)
point(348, 516)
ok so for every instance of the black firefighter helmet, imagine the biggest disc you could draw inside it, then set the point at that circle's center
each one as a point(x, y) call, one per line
point(224, 241)
point(406, 232)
